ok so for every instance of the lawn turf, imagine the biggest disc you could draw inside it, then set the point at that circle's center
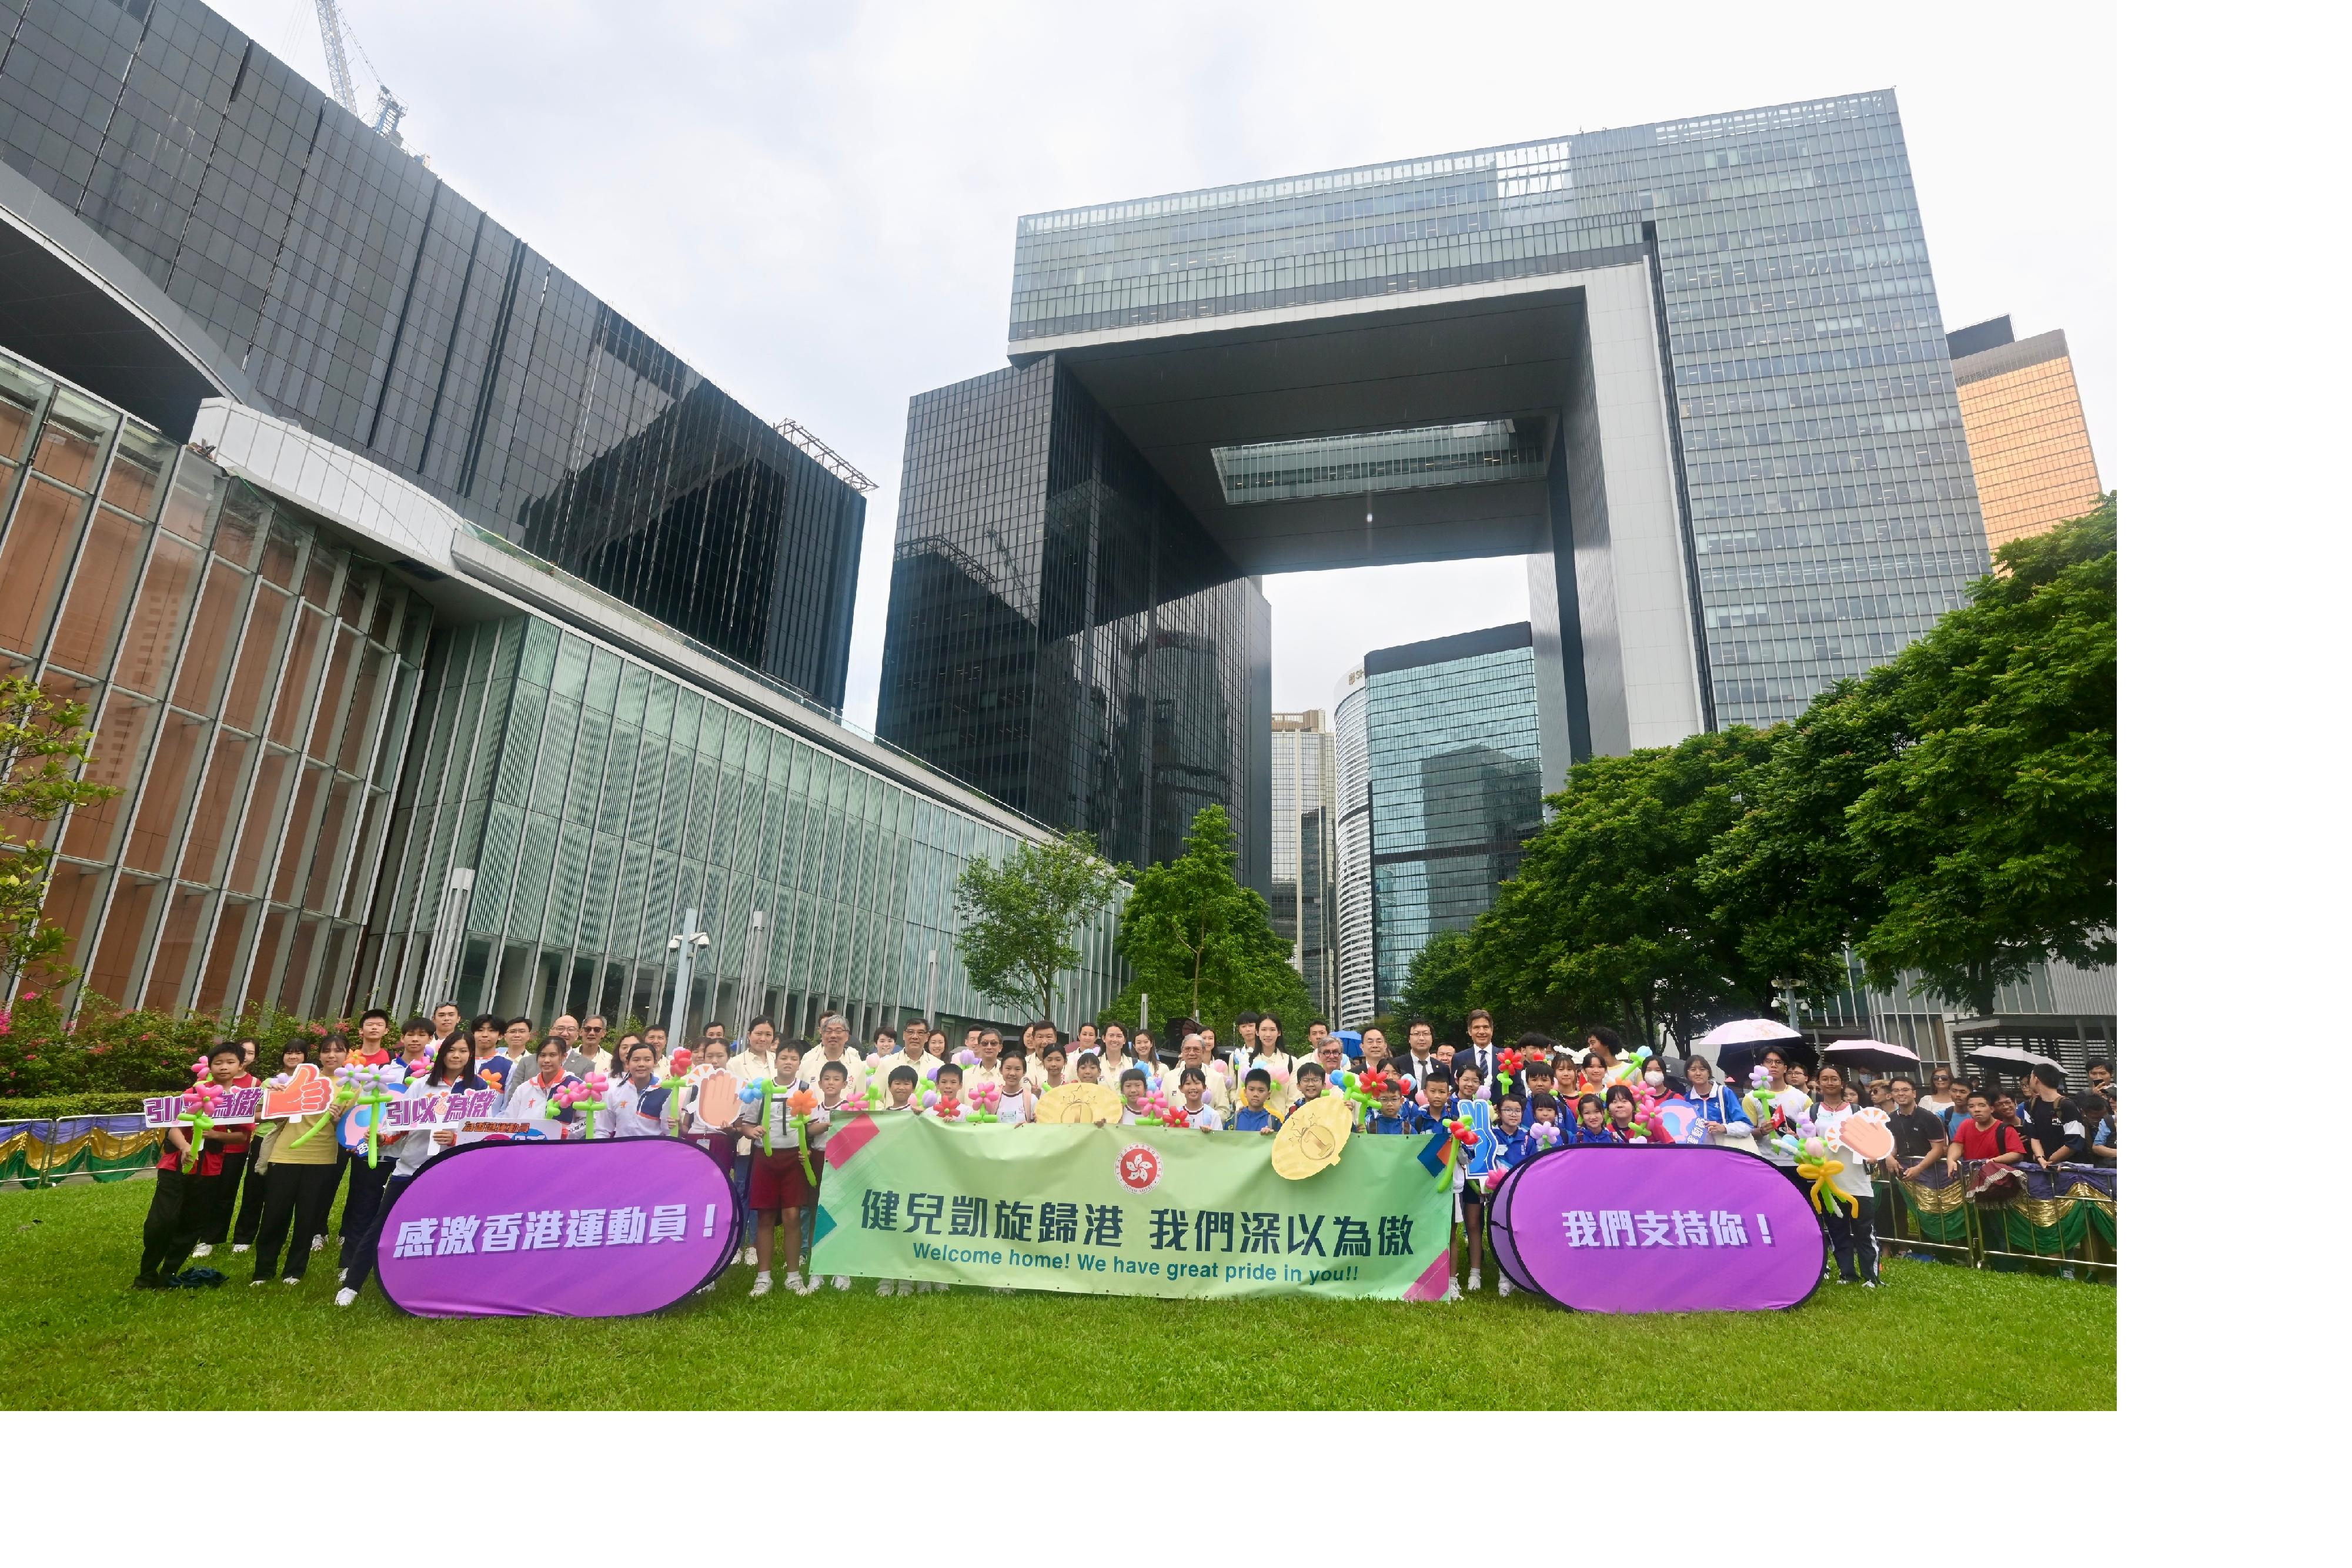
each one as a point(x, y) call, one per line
point(73, 1335)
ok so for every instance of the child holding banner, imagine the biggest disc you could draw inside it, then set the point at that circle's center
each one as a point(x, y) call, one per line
point(453, 1071)
point(186, 1190)
point(300, 1183)
point(1252, 1115)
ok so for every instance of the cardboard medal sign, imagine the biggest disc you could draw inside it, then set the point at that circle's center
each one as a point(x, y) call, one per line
point(1081, 1103)
point(1311, 1139)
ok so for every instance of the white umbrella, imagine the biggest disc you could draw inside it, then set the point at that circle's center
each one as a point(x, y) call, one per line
point(1747, 1031)
point(1874, 1054)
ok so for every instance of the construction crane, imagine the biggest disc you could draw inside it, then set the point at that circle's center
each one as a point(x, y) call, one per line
point(334, 32)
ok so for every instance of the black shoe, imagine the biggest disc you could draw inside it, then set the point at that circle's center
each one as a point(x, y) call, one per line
point(151, 1282)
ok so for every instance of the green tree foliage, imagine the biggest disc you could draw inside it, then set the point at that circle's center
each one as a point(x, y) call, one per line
point(1442, 986)
point(1203, 946)
point(1014, 919)
point(43, 744)
point(1954, 811)
point(1606, 919)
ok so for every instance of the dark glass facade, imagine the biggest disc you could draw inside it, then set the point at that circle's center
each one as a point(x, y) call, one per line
point(1456, 785)
point(367, 301)
point(1063, 635)
point(1825, 482)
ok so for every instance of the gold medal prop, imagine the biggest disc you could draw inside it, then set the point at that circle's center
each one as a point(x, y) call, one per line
point(1081, 1102)
point(1312, 1138)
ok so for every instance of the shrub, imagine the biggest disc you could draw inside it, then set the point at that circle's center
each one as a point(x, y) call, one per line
point(50, 1107)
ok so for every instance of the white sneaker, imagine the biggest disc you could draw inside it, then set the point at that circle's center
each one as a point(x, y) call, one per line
point(289, 1280)
point(1473, 1286)
point(1453, 1291)
point(317, 1244)
point(204, 1249)
point(886, 1287)
point(794, 1283)
point(242, 1246)
point(763, 1284)
point(750, 1257)
point(841, 1281)
point(1502, 1287)
point(346, 1296)
point(261, 1281)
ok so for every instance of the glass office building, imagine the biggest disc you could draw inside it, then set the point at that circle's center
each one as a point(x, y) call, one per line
point(1305, 818)
point(1454, 783)
point(371, 753)
point(2027, 439)
point(1063, 635)
point(183, 216)
point(1352, 843)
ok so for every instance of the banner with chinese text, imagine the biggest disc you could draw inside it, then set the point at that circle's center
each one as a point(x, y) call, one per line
point(1147, 1211)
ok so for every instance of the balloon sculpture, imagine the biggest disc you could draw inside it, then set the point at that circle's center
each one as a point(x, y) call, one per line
point(1153, 1112)
point(377, 1087)
point(1818, 1163)
point(1544, 1135)
point(584, 1099)
point(802, 1104)
point(681, 1073)
point(985, 1098)
point(346, 1091)
point(1461, 1137)
point(202, 1102)
point(1508, 1067)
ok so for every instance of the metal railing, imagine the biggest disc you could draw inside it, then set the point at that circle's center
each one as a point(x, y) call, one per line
point(2044, 1221)
point(100, 1147)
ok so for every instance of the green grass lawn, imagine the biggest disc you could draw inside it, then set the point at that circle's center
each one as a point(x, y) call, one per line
point(72, 1335)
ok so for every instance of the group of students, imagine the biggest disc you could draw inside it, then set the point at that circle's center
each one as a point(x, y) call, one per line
point(268, 1188)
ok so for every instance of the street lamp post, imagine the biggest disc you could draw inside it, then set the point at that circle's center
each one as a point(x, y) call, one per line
point(688, 944)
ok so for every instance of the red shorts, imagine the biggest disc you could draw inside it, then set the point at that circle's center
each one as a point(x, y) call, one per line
point(777, 1181)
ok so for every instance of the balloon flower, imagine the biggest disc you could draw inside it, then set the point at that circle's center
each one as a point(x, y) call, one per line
point(1817, 1164)
point(802, 1104)
point(1153, 1112)
point(200, 1104)
point(967, 1059)
point(1177, 1117)
point(584, 1099)
point(985, 1098)
point(1461, 1138)
point(346, 1090)
point(1507, 1066)
point(1544, 1135)
point(378, 1087)
point(681, 1073)
point(945, 1106)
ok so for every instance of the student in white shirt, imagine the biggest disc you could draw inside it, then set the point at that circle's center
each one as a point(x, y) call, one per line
point(1193, 1085)
point(624, 1114)
point(526, 1101)
point(1019, 1101)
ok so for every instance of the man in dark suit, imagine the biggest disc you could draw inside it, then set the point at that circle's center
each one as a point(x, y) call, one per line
point(1481, 1049)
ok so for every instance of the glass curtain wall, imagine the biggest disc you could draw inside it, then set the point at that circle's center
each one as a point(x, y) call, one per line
point(249, 683)
point(597, 800)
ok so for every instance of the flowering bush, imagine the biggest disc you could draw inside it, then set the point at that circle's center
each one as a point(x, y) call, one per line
point(105, 1050)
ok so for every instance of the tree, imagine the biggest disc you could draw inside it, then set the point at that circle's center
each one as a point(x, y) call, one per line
point(1992, 831)
point(1201, 945)
point(1952, 812)
point(1442, 985)
point(1606, 918)
point(43, 745)
point(1014, 920)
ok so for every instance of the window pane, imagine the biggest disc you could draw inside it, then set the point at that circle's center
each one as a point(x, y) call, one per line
point(72, 906)
point(265, 954)
point(70, 442)
point(33, 562)
point(211, 828)
point(261, 821)
point(114, 965)
point(21, 396)
point(294, 692)
point(101, 592)
point(228, 955)
point(170, 987)
point(331, 695)
point(298, 835)
point(244, 517)
point(195, 489)
point(154, 631)
point(360, 724)
point(279, 555)
point(327, 865)
point(155, 833)
point(123, 730)
point(294, 992)
point(136, 475)
point(205, 667)
point(257, 659)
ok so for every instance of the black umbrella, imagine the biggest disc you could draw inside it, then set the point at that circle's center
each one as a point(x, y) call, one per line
point(1871, 1055)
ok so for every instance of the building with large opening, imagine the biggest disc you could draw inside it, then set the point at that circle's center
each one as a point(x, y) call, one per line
point(1693, 373)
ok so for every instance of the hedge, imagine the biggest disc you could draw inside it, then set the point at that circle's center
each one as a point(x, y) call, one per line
point(51, 1107)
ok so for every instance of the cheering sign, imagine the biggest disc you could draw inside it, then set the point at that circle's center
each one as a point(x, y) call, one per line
point(422, 1109)
point(236, 1105)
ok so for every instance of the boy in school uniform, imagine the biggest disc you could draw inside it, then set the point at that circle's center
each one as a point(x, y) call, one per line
point(1392, 1118)
point(779, 1186)
point(1309, 1083)
point(949, 1105)
point(1193, 1085)
point(1131, 1084)
point(832, 1088)
point(1252, 1115)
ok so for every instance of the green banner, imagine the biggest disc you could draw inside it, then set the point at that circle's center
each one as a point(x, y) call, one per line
point(1128, 1211)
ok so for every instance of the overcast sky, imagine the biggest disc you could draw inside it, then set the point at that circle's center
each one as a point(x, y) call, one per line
point(814, 204)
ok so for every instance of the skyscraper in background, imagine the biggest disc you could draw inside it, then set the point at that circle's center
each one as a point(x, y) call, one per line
point(183, 217)
point(2027, 438)
point(1455, 775)
point(1693, 373)
point(1354, 843)
point(1304, 817)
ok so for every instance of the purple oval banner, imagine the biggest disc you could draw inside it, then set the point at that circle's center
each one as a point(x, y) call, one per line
point(1665, 1229)
point(603, 1229)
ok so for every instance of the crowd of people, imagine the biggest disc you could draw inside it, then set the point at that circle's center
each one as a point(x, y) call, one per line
point(268, 1188)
